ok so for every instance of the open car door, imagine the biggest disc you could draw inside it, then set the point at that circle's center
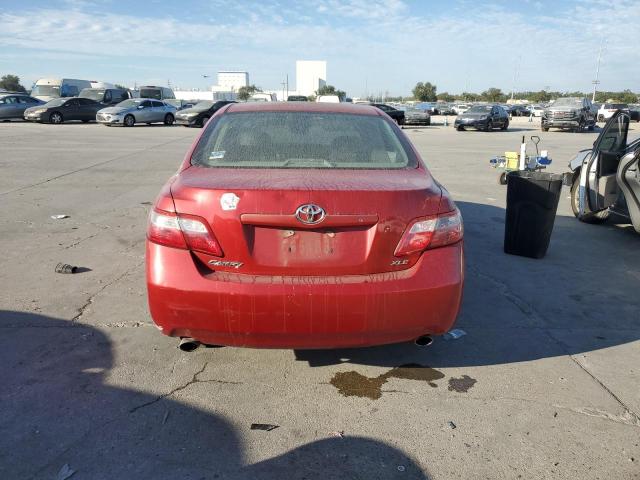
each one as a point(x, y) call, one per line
point(628, 177)
point(598, 183)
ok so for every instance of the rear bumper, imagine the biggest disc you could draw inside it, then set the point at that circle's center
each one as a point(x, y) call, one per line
point(304, 312)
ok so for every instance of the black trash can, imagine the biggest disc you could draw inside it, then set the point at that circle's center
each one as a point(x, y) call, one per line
point(532, 201)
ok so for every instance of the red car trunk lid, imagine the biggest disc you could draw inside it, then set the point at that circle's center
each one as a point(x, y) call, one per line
point(366, 213)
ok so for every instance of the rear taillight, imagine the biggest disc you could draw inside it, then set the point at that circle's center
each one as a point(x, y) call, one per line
point(182, 231)
point(431, 232)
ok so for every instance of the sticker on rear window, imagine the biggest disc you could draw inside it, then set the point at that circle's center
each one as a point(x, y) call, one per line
point(216, 155)
point(229, 201)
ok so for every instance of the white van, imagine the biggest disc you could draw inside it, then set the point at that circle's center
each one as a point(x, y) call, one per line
point(328, 99)
point(156, 93)
point(263, 97)
point(49, 88)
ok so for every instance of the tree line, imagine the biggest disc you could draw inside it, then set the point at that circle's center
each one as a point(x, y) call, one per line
point(427, 92)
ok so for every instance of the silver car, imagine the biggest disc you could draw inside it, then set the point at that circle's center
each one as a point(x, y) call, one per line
point(137, 110)
point(13, 105)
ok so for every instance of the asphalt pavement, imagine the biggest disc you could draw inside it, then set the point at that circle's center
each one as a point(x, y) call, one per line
point(545, 383)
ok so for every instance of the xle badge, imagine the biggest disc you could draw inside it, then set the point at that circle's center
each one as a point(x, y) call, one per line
point(395, 263)
point(225, 263)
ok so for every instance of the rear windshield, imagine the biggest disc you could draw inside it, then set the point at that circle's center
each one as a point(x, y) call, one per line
point(302, 140)
point(151, 93)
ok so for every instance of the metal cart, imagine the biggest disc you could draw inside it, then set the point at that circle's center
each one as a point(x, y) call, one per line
point(514, 161)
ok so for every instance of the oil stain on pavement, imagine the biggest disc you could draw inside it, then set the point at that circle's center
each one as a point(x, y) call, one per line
point(355, 384)
point(461, 385)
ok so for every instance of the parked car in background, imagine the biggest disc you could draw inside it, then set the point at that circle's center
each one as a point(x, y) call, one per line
point(461, 108)
point(605, 179)
point(105, 96)
point(397, 115)
point(413, 116)
point(63, 110)
point(634, 112)
point(13, 105)
point(137, 110)
point(49, 88)
point(156, 93)
point(328, 99)
point(483, 117)
point(179, 104)
point(350, 217)
point(536, 110)
point(199, 114)
point(428, 107)
point(519, 111)
point(568, 113)
point(607, 110)
point(297, 98)
point(446, 109)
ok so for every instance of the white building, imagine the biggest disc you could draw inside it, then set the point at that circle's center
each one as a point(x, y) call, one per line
point(310, 76)
point(231, 81)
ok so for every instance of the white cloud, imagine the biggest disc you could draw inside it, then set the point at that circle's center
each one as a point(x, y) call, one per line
point(385, 45)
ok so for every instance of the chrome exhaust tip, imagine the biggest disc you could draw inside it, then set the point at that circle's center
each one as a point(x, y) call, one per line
point(423, 341)
point(188, 344)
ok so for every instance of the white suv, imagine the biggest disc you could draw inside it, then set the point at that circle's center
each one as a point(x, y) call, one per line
point(607, 110)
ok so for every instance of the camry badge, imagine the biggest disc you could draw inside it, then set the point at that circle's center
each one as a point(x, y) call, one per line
point(310, 214)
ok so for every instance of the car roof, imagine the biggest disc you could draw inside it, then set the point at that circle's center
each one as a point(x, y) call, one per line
point(312, 107)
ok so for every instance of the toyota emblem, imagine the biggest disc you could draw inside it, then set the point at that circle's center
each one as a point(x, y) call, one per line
point(310, 214)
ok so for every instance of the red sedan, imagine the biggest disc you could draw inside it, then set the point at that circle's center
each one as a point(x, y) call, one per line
point(303, 225)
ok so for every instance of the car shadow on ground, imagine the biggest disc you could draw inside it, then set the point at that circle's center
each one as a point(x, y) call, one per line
point(581, 297)
point(60, 407)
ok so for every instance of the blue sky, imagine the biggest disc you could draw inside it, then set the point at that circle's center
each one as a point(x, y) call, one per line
point(371, 46)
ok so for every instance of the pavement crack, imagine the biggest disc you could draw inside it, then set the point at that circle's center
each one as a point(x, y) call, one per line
point(506, 291)
point(631, 417)
point(193, 380)
point(78, 242)
point(91, 299)
point(98, 164)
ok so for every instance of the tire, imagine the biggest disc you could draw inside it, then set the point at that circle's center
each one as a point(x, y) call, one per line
point(591, 217)
point(580, 127)
point(544, 129)
point(169, 119)
point(488, 126)
point(86, 121)
point(56, 117)
point(601, 118)
point(129, 121)
point(505, 126)
point(203, 121)
point(460, 128)
point(502, 179)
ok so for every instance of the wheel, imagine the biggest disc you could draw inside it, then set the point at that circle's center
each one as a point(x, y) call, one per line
point(129, 121)
point(460, 128)
point(85, 121)
point(428, 122)
point(502, 179)
point(601, 118)
point(505, 126)
point(591, 217)
point(168, 119)
point(488, 126)
point(56, 117)
point(580, 127)
point(544, 129)
point(203, 121)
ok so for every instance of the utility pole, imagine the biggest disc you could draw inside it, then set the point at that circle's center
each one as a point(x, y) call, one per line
point(515, 77)
point(287, 86)
point(597, 81)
